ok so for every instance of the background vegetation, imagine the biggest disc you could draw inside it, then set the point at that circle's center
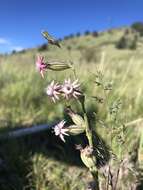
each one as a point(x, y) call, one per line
point(41, 161)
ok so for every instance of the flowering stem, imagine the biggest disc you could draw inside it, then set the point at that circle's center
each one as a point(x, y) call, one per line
point(90, 141)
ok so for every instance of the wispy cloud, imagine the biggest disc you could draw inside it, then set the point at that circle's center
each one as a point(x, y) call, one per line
point(4, 41)
point(7, 45)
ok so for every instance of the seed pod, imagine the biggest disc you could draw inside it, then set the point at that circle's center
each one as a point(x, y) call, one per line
point(88, 157)
point(75, 130)
point(58, 66)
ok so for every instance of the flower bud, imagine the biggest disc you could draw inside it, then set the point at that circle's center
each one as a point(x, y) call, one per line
point(75, 130)
point(88, 157)
point(58, 66)
point(77, 119)
point(50, 38)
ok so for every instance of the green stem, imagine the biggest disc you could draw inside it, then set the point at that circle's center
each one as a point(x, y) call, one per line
point(88, 131)
point(90, 141)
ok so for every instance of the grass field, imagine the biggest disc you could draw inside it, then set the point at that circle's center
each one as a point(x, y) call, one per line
point(41, 161)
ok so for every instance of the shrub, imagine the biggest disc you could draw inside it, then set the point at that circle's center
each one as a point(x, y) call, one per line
point(138, 26)
point(95, 34)
point(87, 32)
point(127, 41)
point(13, 52)
point(78, 34)
point(43, 47)
point(71, 35)
point(22, 51)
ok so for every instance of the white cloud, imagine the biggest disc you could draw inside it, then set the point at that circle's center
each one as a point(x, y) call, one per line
point(7, 45)
point(4, 41)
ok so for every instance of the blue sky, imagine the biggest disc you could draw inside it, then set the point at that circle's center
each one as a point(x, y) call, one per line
point(21, 21)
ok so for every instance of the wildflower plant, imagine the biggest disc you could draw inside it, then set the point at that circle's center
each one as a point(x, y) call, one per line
point(97, 157)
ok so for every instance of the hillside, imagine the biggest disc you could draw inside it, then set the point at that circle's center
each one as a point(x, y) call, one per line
point(23, 103)
point(21, 85)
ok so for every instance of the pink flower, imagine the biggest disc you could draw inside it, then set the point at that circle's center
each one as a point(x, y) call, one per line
point(71, 89)
point(53, 91)
point(60, 130)
point(41, 65)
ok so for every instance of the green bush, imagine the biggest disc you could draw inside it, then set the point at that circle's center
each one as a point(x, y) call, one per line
point(127, 41)
point(87, 32)
point(43, 47)
point(138, 26)
point(71, 36)
point(95, 34)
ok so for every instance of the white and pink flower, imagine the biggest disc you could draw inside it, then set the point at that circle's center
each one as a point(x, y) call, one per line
point(60, 130)
point(53, 91)
point(71, 89)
